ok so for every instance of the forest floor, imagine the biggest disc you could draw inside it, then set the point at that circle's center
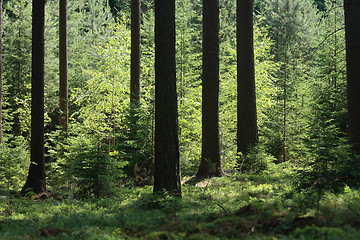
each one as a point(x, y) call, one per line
point(241, 206)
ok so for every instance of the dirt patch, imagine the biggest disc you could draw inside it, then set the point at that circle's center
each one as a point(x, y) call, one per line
point(50, 232)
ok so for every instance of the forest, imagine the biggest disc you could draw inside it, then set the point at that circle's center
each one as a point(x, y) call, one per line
point(180, 119)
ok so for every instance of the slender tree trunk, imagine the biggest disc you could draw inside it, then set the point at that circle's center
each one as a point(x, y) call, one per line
point(36, 178)
point(135, 52)
point(352, 35)
point(135, 64)
point(17, 127)
point(247, 130)
point(63, 61)
point(167, 168)
point(210, 164)
point(284, 133)
point(1, 73)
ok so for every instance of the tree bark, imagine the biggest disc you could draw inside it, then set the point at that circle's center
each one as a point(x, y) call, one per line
point(352, 35)
point(167, 167)
point(135, 52)
point(63, 66)
point(210, 164)
point(247, 130)
point(135, 64)
point(36, 178)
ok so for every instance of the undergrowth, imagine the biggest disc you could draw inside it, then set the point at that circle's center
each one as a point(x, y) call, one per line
point(241, 206)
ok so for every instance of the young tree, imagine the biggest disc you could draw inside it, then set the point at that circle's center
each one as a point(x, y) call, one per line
point(210, 164)
point(17, 63)
point(247, 130)
point(135, 51)
point(167, 168)
point(36, 178)
point(352, 35)
point(63, 61)
point(291, 26)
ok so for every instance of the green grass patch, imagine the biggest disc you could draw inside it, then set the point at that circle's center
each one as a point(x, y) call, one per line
point(245, 206)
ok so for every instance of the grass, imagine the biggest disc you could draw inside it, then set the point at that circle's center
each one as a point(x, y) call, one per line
point(242, 206)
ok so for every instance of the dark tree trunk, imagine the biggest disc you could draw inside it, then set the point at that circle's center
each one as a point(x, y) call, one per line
point(135, 52)
point(210, 164)
point(0, 72)
point(135, 64)
point(247, 130)
point(63, 66)
point(352, 34)
point(36, 178)
point(167, 168)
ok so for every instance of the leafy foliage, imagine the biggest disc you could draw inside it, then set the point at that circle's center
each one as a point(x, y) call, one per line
point(14, 159)
point(242, 206)
point(301, 103)
point(329, 153)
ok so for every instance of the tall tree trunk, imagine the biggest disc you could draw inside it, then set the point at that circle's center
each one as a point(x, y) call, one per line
point(352, 35)
point(135, 63)
point(36, 178)
point(167, 167)
point(135, 51)
point(63, 66)
point(1, 73)
point(19, 91)
point(247, 130)
point(210, 164)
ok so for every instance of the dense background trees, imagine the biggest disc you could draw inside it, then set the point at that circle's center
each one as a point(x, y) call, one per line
point(300, 82)
point(216, 78)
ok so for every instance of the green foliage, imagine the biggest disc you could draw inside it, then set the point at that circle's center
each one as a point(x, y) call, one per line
point(320, 4)
point(14, 160)
point(265, 69)
point(16, 62)
point(257, 160)
point(89, 155)
point(103, 101)
point(293, 33)
point(135, 144)
point(88, 24)
point(246, 207)
point(188, 47)
point(330, 233)
point(329, 153)
point(94, 168)
point(299, 58)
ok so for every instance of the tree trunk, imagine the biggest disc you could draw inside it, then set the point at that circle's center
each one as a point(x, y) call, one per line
point(63, 61)
point(352, 35)
point(135, 64)
point(135, 52)
point(36, 178)
point(247, 130)
point(167, 168)
point(210, 164)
